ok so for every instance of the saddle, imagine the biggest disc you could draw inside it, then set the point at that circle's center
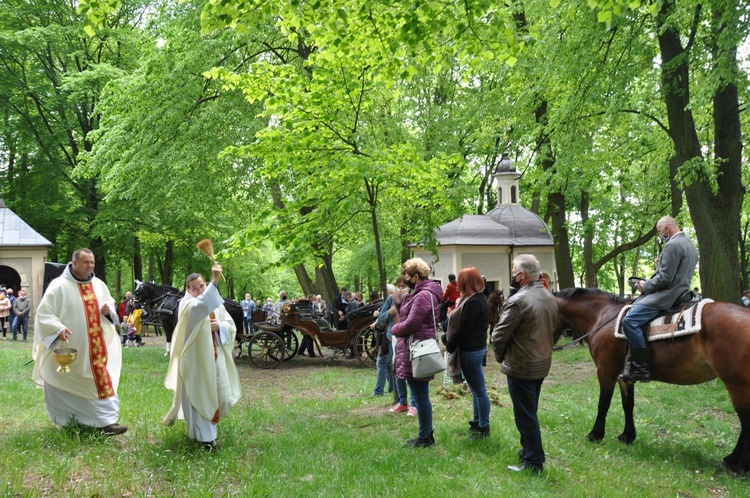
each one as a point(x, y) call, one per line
point(681, 320)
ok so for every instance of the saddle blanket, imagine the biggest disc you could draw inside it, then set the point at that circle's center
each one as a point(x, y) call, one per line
point(684, 322)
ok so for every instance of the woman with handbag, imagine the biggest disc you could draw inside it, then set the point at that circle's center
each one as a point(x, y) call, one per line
point(466, 341)
point(416, 322)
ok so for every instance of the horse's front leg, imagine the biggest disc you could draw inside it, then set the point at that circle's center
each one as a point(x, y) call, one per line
point(627, 393)
point(606, 390)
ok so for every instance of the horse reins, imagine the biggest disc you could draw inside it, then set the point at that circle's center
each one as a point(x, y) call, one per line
point(576, 342)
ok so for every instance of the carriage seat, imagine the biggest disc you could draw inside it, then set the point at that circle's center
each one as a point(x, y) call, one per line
point(323, 324)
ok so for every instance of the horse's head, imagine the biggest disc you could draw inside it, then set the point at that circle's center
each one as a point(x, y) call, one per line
point(138, 293)
point(581, 308)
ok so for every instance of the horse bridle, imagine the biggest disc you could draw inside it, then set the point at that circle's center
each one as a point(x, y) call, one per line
point(576, 342)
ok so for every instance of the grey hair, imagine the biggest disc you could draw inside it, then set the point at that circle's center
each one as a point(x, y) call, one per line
point(390, 288)
point(78, 252)
point(528, 264)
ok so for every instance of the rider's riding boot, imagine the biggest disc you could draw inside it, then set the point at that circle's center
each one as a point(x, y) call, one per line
point(639, 369)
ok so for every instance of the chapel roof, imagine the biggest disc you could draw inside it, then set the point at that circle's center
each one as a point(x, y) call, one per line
point(14, 232)
point(506, 225)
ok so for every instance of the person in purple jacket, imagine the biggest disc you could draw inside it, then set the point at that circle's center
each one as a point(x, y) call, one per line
point(417, 319)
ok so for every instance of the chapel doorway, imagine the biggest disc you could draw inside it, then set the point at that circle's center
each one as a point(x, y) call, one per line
point(10, 278)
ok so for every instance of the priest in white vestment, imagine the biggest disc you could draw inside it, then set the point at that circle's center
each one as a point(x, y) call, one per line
point(77, 311)
point(201, 370)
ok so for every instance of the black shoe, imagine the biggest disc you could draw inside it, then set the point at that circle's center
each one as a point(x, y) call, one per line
point(534, 469)
point(209, 446)
point(114, 429)
point(420, 442)
point(481, 433)
point(473, 427)
point(640, 366)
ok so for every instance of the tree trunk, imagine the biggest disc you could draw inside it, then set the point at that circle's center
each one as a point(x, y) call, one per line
point(329, 280)
point(372, 193)
point(137, 259)
point(100, 265)
point(168, 268)
point(590, 273)
point(405, 249)
point(150, 266)
point(304, 279)
point(556, 213)
point(719, 265)
point(744, 255)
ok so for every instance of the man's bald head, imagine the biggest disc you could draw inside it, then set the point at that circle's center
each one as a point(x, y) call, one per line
point(667, 221)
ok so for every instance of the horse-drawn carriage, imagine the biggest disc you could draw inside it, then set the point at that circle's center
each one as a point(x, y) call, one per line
point(273, 343)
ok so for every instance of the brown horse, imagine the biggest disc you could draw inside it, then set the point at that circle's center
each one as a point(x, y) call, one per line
point(721, 349)
point(496, 301)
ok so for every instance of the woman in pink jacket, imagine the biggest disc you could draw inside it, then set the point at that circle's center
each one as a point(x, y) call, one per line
point(417, 319)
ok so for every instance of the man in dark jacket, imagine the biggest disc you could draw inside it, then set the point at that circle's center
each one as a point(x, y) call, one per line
point(522, 341)
point(659, 293)
point(21, 311)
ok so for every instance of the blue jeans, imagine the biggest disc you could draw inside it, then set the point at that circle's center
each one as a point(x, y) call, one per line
point(525, 397)
point(19, 321)
point(401, 391)
point(471, 368)
point(248, 326)
point(420, 390)
point(385, 372)
point(634, 322)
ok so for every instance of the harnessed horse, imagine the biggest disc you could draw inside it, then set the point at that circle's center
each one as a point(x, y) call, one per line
point(161, 301)
point(164, 301)
point(720, 349)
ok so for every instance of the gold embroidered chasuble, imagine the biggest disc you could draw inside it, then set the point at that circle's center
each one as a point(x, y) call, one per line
point(75, 305)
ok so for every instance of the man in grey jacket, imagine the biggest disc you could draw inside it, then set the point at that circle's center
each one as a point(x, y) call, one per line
point(21, 311)
point(659, 293)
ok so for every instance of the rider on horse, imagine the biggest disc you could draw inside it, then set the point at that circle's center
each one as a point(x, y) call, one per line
point(659, 293)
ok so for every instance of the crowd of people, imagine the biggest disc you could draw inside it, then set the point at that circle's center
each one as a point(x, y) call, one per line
point(14, 312)
point(77, 310)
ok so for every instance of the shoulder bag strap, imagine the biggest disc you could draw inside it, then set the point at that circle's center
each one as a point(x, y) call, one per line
point(434, 322)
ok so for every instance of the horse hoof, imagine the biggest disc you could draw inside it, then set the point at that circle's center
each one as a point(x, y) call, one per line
point(594, 438)
point(734, 465)
point(623, 438)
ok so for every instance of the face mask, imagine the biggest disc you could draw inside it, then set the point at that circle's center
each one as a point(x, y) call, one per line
point(410, 283)
point(663, 238)
point(514, 283)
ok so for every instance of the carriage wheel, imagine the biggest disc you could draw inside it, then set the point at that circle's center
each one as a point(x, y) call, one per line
point(266, 350)
point(365, 346)
point(291, 343)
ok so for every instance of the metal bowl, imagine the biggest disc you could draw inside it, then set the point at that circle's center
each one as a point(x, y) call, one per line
point(64, 357)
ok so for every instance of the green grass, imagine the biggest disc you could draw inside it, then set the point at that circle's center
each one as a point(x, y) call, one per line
point(310, 428)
